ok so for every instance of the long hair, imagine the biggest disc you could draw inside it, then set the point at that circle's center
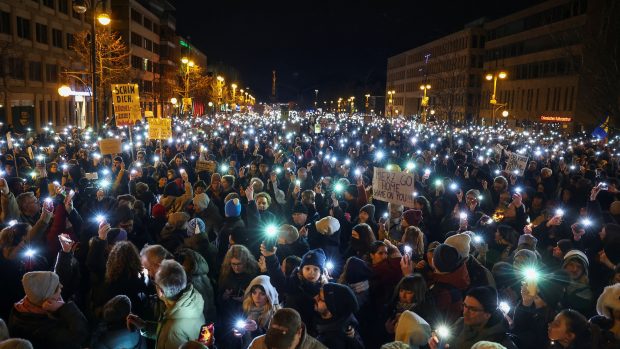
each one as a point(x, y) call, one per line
point(266, 312)
point(123, 262)
point(426, 205)
point(577, 324)
point(413, 283)
point(240, 252)
point(415, 239)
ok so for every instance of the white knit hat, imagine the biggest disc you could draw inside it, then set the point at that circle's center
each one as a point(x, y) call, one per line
point(608, 301)
point(327, 225)
point(460, 242)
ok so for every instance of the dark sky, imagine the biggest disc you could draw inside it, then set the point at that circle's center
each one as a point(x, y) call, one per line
point(338, 47)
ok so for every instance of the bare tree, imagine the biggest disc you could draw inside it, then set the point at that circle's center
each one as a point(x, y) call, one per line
point(448, 77)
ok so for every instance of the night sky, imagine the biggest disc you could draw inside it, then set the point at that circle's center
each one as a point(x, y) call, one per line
point(338, 47)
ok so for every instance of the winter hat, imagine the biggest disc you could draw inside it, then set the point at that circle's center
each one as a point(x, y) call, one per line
point(460, 242)
point(300, 208)
point(172, 189)
point(191, 226)
point(413, 217)
point(412, 329)
point(16, 343)
point(115, 235)
point(608, 301)
point(327, 225)
point(352, 190)
point(527, 241)
point(158, 211)
point(576, 255)
point(614, 208)
point(314, 257)
point(232, 208)
point(201, 201)
point(340, 300)
point(446, 258)
point(40, 285)
point(117, 309)
point(357, 271)
point(612, 250)
point(486, 295)
point(525, 257)
point(178, 219)
point(369, 209)
point(565, 245)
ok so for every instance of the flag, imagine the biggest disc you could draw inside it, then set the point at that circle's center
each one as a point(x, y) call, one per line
point(602, 130)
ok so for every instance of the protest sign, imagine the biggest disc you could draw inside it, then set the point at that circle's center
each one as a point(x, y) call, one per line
point(110, 146)
point(394, 187)
point(159, 128)
point(203, 165)
point(516, 164)
point(126, 100)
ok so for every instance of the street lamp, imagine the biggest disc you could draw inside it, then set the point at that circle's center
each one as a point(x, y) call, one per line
point(366, 104)
point(81, 6)
point(188, 63)
point(505, 113)
point(352, 99)
point(497, 75)
point(391, 101)
point(316, 97)
point(64, 91)
point(424, 102)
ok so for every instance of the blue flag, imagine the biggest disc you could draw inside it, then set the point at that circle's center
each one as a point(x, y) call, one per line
point(602, 130)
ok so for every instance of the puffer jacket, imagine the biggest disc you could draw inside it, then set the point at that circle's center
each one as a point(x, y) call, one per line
point(178, 324)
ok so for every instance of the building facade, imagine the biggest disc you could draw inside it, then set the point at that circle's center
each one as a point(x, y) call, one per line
point(558, 57)
point(35, 45)
point(450, 68)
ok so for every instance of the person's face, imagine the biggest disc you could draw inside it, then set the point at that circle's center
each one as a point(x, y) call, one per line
point(558, 331)
point(262, 203)
point(311, 273)
point(199, 190)
point(259, 297)
point(405, 296)
point(363, 217)
point(574, 269)
point(498, 238)
point(379, 256)
point(320, 306)
point(54, 168)
point(127, 226)
point(299, 218)
point(116, 164)
point(498, 186)
point(263, 168)
point(417, 206)
point(557, 253)
point(56, 296)
point(100, 195)
point(163, 181)
point(170, 175)
point(252, 168)
point(32, 206)
point(140, 157)
point(150, 266)
point(473, 312)
point(236, 266)
point(225, 184)
point(471, 200)
point(302, 174)
point(602, 234)
point(178, 161)
point(215, 183)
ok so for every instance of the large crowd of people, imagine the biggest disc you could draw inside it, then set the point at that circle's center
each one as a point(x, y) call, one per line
point(255, 231)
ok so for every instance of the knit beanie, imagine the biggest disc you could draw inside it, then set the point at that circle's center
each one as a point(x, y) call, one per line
point(357, 271)
point(117, 309)
point(525, 257)
point(172, 189)
point(16, 343)
point(460, 242)
point(314, 257)
point(141, 188)
point(340, 300)
point(413, 217)
point(446, 258)
point(612, 250)
point(232, 208)
point(201, 201)
point(300, 208)
point(486, 295)
point(578, 256)
point(412, 329)
point(369, 209)
point(608, 301)
point(40, 285)
point(527, 241)
point(195, 226)
point(327, 225)
point(565, 245)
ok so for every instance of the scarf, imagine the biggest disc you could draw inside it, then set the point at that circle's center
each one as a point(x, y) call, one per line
point(401, 307)
point(26, 306)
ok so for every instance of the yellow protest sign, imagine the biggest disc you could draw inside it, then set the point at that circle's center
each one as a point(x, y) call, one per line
point(159, 128)
point(126, 100)
point(187, 104)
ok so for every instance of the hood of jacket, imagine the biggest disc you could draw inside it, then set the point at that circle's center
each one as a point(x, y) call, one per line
point(198, 263)
point(265, 282)
point(189, 306)
point(412, 329)
point(458, 278)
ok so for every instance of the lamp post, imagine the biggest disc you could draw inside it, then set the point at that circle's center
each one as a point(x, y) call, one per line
point(234, 88)
point(188, 65)
point(316, 97)
point(366, 104)
point(339, 102)
point(220, 84)
point(424, 102)
point(352, 99)
point(494, 76)
point(391, 102)
point(81, 6)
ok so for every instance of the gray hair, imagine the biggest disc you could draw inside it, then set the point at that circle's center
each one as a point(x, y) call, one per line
point(155, 253)
point(171, 279)
point(16, 343)
point(21, 198)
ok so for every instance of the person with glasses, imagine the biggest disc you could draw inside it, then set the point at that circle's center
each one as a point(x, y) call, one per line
point(482, 321)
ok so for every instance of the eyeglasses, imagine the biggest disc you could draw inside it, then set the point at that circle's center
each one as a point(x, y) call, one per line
point(236, 264)
point(472, 309)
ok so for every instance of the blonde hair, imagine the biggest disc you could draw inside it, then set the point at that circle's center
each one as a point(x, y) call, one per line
point(240, 252)
point(266, 312)
point(414, 236)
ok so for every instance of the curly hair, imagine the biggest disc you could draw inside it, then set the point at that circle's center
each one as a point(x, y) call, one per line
point(123, 262)
point(240, 252)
